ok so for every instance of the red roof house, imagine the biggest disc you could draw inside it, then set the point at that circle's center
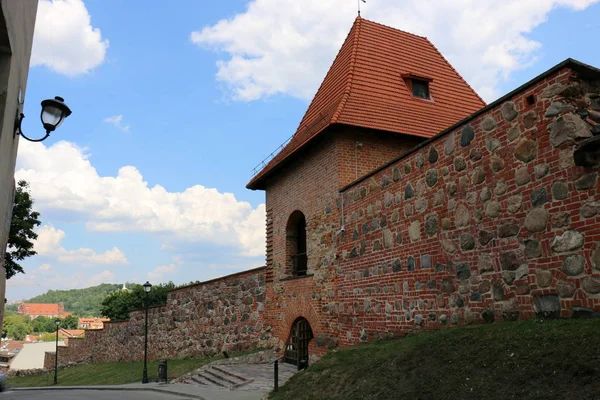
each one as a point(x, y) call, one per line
point(45, 310)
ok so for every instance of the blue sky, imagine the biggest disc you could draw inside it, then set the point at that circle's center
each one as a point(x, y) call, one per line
point(175, 103)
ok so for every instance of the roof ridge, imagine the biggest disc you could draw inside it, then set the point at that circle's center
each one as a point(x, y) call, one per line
point(348, 89)
point(393, 28)
point(456, 72)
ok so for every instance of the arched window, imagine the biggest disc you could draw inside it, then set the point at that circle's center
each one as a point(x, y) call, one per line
point(296, 243)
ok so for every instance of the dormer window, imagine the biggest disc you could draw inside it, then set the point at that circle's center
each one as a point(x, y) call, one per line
point(420, 88)
point(418, 85)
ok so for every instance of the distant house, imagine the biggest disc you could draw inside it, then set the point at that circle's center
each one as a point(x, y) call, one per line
point(8, 351)
point(34, 310)
point(71, 333)
point(42, 310)
point(92, 323)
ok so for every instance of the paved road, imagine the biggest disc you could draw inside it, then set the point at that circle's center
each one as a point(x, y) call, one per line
point(87, 394)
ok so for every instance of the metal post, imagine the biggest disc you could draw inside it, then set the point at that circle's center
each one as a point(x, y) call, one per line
point(145, 376)
point(56, 358)
point(276, 388)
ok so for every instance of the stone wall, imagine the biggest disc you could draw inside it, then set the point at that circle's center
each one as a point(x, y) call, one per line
point(199, 320)
point(489, 221)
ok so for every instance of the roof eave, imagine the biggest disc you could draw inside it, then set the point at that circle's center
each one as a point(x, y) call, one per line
point(259, 181)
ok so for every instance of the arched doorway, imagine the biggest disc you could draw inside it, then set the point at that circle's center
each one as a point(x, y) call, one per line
point(296, 349)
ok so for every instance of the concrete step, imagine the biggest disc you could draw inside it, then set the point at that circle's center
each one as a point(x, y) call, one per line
point(198, 381)
point(223, 378)
point(237, 380)
point(211, 379)
point(237, 376)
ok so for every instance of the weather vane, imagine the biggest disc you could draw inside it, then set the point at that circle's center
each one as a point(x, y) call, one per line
point(364, 1)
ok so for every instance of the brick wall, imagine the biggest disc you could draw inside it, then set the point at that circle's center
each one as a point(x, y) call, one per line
point(311, 185)
point(198, 320)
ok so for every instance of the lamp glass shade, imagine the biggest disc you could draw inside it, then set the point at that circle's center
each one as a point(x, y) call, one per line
point(52, 116)
point(54, 112)
point(147, 287)
point(57, 322)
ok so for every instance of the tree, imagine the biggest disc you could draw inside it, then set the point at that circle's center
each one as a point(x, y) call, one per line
point(24, 220)
point(69, 322)
point(119, 303)
point(49, 325)
point(38, 325)
point(18, 331)
point(14, 324)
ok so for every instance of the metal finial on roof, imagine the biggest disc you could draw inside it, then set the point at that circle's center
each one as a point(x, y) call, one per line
point(364, 1)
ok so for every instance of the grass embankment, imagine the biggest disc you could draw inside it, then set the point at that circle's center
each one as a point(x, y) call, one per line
point(531, 359)
point(115, 373)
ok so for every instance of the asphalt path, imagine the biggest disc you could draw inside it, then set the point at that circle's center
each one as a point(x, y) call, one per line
point(86, 394)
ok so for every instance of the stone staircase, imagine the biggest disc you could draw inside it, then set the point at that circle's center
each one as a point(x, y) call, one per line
point(217, 376)
point(252, 372)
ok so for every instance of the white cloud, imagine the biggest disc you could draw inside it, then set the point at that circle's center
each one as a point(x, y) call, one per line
point(64, 39)
point(53, 278)
point(117, 122)
point(62, 178)
point(103, 277)
point(48, 244)
point(178, 260)
point(45, 267)
point(286, 46)
point(163, 272)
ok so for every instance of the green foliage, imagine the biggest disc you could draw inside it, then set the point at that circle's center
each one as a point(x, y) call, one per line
point(82, 302)
point(15, 326)
point(11, 307)
point(69, 322)
point(24, 220)
point(18, 331)
point(118, 304)
point(47, 337)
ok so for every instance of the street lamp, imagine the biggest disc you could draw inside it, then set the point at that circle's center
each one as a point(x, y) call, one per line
point(147, 288)
point(57, 322)
point(54, 112)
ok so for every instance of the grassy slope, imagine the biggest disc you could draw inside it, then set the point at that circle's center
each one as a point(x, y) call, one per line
point(532, 359)
point(107, 373)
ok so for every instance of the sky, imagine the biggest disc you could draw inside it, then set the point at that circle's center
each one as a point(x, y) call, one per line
point(175, 103)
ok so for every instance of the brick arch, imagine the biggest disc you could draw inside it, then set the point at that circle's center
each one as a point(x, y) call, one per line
point(299, 308)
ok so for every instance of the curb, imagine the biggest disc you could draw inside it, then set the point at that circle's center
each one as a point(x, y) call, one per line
point(158, 390)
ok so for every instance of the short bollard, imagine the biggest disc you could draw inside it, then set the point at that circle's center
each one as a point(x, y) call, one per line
point(276, 377)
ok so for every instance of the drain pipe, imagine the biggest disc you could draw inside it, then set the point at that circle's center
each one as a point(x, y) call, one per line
point(343, 227)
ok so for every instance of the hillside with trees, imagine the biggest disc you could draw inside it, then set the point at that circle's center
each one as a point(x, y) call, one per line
point(15, 326)
point(81, 302)
point(118, 304)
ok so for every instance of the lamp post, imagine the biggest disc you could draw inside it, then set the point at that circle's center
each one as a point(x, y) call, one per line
point(54, 112)
point(147, 288)
point(57, 322)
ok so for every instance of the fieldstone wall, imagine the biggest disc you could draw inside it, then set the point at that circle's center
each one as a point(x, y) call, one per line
point(491, 221)
point(198, 320)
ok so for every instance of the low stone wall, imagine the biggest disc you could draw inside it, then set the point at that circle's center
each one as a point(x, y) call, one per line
point(492, 220)
point(198, 320)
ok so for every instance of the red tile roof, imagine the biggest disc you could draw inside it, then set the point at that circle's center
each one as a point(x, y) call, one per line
point(71, 332)
point(40, 309)
point(364, 87)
